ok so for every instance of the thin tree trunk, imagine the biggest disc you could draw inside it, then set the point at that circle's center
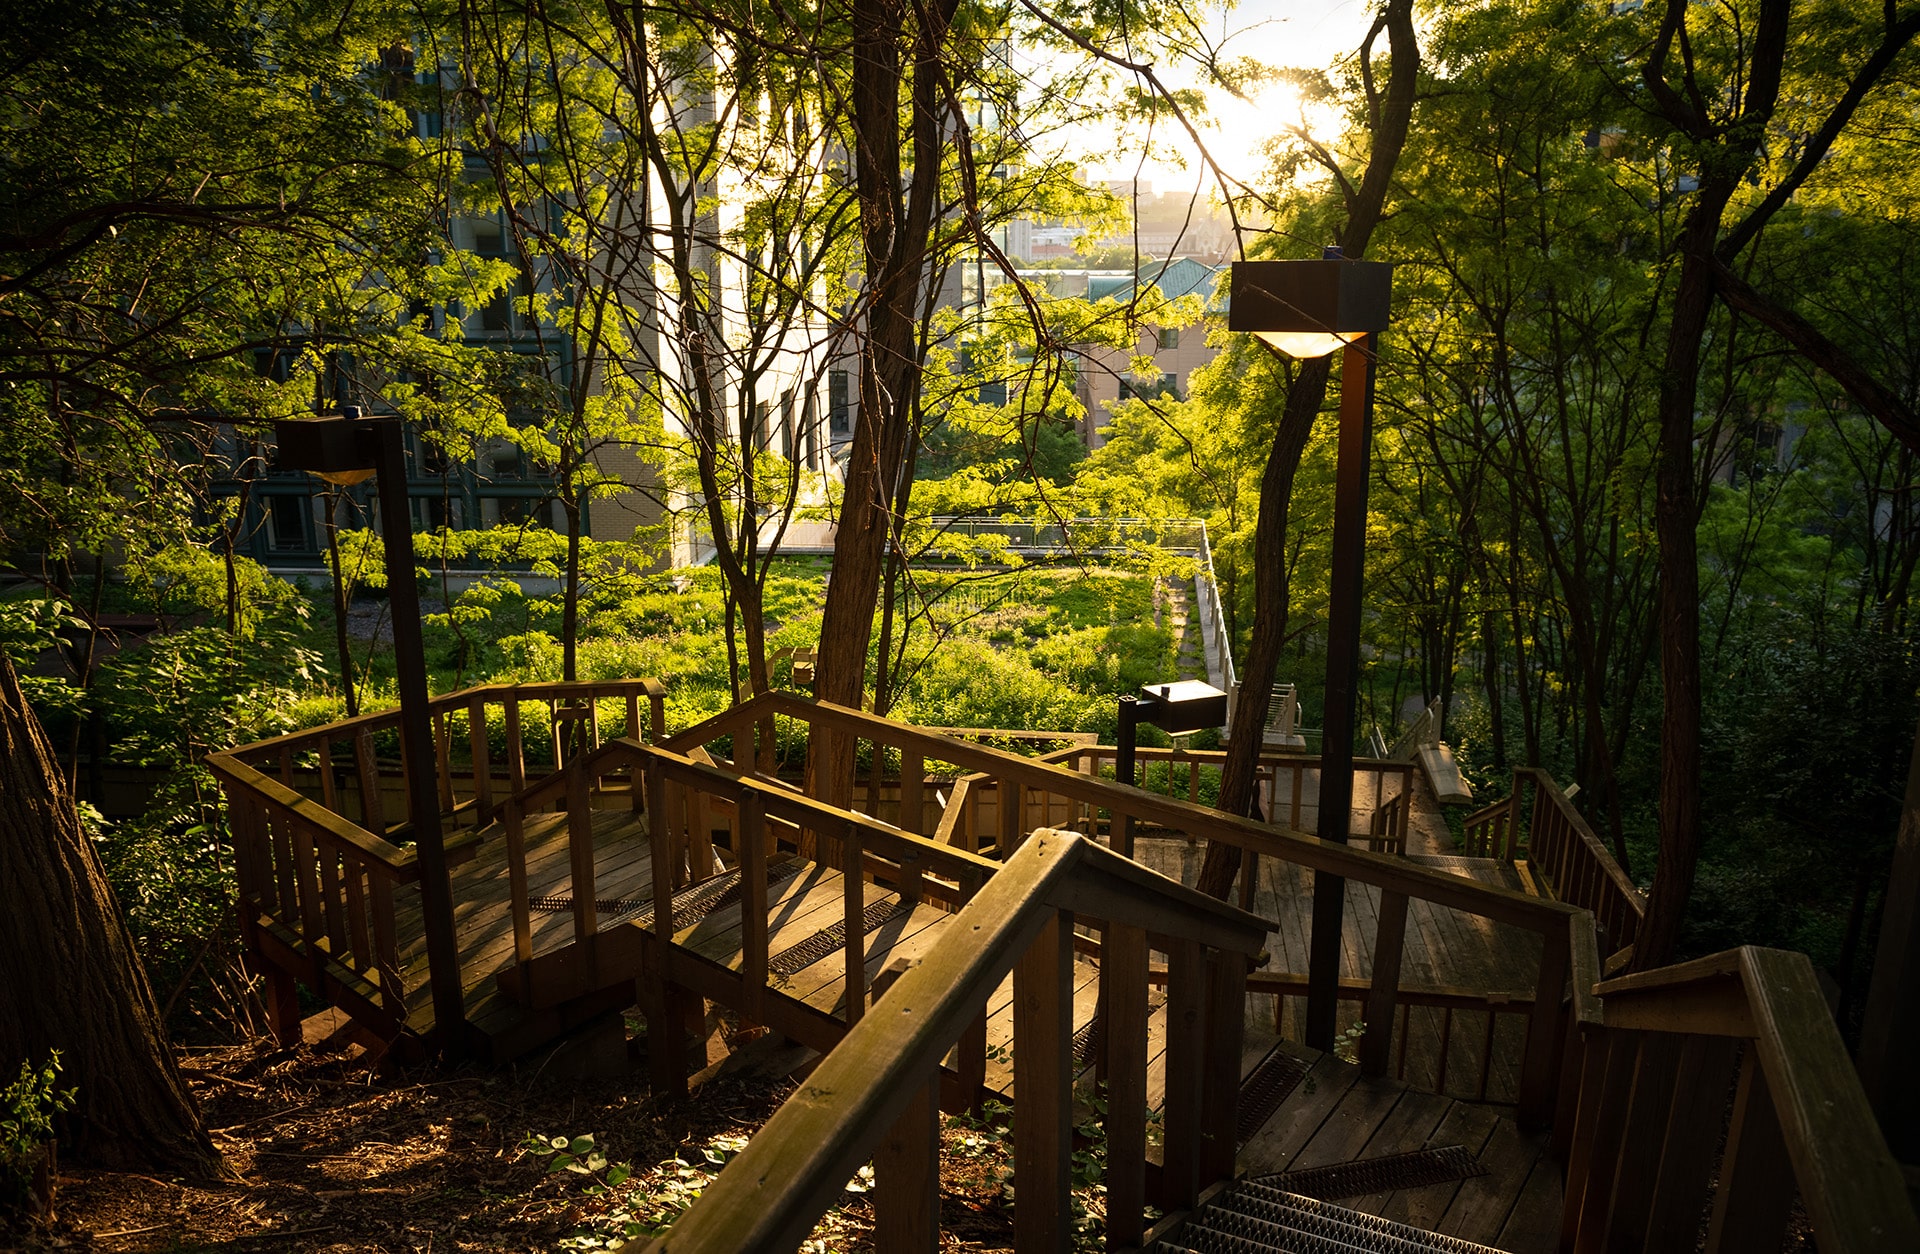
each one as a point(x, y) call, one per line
point(69, 977)
point(1239, 774)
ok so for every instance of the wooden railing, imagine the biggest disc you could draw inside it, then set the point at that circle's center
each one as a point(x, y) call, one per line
point(1559, 846)
point(877, 1094)
point(319, 828)
point(1724, 1078)
point(1047, 786)
point(1195, 775)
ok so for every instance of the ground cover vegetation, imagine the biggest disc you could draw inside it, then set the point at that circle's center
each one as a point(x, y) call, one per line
point(1642, 499)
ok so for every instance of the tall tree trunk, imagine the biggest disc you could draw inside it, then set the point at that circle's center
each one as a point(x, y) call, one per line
point(69, 977)
point(895, 233)
point(1392, 116)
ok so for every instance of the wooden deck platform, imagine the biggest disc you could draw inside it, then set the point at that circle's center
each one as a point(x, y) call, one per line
point(1335, 1116)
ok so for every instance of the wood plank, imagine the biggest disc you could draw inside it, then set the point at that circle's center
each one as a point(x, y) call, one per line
point(1533, 1226)
point(1464, 1124)
point(1480, 1209)
point(1275, 1146)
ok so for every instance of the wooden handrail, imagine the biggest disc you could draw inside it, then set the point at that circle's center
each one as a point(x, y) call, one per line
point(1653, 1098)
point(1504, 905)
point(879, 1076)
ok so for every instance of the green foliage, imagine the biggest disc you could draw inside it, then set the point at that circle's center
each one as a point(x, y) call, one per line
point(27, 1110)
point(621, 1205)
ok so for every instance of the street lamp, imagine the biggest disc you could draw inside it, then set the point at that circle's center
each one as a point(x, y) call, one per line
point(1309, 309)
point(346, 449)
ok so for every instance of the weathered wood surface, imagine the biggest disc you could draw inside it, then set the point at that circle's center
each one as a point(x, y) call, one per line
point(1337, 1115)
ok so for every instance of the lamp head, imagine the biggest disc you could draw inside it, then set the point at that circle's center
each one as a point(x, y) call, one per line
point(1310, 308)
point(337, 447)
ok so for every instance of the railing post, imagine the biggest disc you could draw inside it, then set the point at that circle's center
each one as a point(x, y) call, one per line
point(1043, 1084)
point(1540, 1067)
point(1388, 947)
point(1123, 978)
point(1220, 1087)
point(906, 1177)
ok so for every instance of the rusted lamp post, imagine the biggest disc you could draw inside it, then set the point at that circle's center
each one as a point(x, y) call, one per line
point(345, 449)
point(1308, 309)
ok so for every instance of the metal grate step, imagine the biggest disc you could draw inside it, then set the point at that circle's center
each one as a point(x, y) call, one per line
point(794, 959)
point(690, 905)
point(1265, 1088)
point(1253, 1218)
point(1385, 1174)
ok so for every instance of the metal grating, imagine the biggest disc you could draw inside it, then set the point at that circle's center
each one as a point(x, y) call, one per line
point(690, 905)
point(1265, 1088)
point(1252, 1218)
point(1442, 1164)
point(794, 959)
point(1086, 1043)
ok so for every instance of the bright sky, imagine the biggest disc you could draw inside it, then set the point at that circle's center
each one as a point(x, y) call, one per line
point(1306, 33)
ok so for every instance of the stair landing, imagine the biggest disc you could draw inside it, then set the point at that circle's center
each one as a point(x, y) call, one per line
point(1336, 1116)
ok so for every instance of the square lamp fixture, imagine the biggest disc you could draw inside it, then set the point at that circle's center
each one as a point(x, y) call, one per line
point(1310, 308)
point(341, 448)
point(1185, 706)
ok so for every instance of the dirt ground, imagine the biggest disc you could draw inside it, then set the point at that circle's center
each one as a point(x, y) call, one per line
point(330, 1154)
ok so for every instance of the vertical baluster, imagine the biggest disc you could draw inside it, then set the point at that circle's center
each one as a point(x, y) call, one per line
point(699, 832)
point(660, 840)
point(1446, 1042)
point(913, 778)
point(1043, 1079)
point(330, 899)
point(1648, 1106)
point(443, 760)
point(373, 815)
point(520, 907)
point(353, 870)
point(1598, 1147)
point(1486, 1056)
point(1389, 944)
point(1185, 1064)
point(580, 855)
point(479, 746)
point(750, 849)
point(1123, 979)
point(516, 747)
point(285, 873)
point(633, 715)
point(1689, 1144)
point(1756, 1177)
point(329, 787)
point(386, 945)
point(854, 903)
point(286, 766)
point(1011, 836)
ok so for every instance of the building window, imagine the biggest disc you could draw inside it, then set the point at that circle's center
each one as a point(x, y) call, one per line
point(289, 522)
point(1167, 385)
point(839, 404)
point(1169, 337)
point(786, 424)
